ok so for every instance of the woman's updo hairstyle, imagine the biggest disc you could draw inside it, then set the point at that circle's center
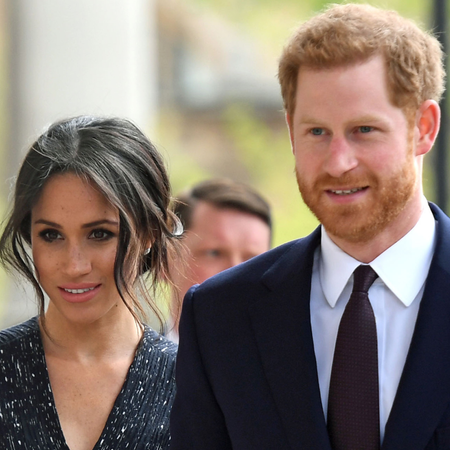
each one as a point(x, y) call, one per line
point(122, 164)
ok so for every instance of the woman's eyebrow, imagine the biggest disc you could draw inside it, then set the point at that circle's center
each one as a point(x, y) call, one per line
point(101, 222)
point(86, 225)
point(47, 222)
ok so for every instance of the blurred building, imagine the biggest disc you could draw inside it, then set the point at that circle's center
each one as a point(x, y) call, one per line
point(205, 62)
point(206, 65)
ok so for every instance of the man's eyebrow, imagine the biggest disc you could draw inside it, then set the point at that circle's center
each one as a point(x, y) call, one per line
point(363, 118)
point(86, 225)
point(308, 119)
point(369, 118)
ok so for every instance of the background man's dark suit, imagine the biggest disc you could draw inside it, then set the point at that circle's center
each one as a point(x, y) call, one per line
point(251, 366)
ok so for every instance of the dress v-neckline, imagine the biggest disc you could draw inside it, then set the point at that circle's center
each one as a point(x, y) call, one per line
point(117, 402)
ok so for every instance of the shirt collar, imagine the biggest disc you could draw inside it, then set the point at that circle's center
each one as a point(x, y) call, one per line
point(403, 267)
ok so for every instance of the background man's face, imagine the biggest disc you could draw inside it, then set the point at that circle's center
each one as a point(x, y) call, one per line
point(220, 238)
point(354, 151)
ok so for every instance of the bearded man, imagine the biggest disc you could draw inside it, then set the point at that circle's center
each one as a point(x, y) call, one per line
point(340, 340)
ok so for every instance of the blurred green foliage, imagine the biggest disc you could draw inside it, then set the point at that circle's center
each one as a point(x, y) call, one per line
point(264, 151)
point(272, 21)
point(266, 155)
point(261, 149)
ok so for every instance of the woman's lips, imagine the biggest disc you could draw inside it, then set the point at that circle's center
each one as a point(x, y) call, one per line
point(79, 293)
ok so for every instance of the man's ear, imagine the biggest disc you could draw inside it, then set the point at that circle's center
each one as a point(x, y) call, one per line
point(291, 130)
point(427, 124)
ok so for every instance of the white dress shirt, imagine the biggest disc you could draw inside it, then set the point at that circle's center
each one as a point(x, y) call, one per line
point(395, 298)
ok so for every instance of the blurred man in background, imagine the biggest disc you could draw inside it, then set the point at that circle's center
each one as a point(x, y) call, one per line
point(225, 223)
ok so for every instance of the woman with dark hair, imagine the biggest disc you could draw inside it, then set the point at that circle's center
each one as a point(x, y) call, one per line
point(91, 227)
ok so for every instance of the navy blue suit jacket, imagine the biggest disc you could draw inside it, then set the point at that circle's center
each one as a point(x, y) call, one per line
point(246, 368)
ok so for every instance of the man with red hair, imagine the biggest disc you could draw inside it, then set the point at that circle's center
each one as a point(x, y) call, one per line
point(340, 340)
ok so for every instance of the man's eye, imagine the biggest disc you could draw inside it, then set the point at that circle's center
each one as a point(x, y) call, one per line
point(212, 253)
point(317, 131)
point(365, 129)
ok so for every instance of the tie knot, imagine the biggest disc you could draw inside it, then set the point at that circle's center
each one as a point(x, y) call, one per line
point(364, 276)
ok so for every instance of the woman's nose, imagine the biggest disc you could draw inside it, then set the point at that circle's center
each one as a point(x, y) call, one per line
point(77, 261)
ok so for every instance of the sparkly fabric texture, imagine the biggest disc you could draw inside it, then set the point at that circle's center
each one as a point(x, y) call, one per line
point(353, 403)
point(139, 419)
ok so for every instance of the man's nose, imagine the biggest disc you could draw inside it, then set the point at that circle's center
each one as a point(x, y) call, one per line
point(236, 259)
point(341, 157)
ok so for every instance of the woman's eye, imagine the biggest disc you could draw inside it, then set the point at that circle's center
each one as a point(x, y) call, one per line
point(317, 131)
point(50, 235)
point(101, 235)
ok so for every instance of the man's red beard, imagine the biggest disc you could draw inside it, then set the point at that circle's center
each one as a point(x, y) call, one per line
point(362, 221)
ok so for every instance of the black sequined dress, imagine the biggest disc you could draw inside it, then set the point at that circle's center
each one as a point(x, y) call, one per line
point(139, 419)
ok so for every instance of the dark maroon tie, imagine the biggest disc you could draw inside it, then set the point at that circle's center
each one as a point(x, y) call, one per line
point(353, 402)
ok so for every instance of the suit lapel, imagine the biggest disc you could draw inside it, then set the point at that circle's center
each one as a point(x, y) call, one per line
point(288, 354)
point(424, 390)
